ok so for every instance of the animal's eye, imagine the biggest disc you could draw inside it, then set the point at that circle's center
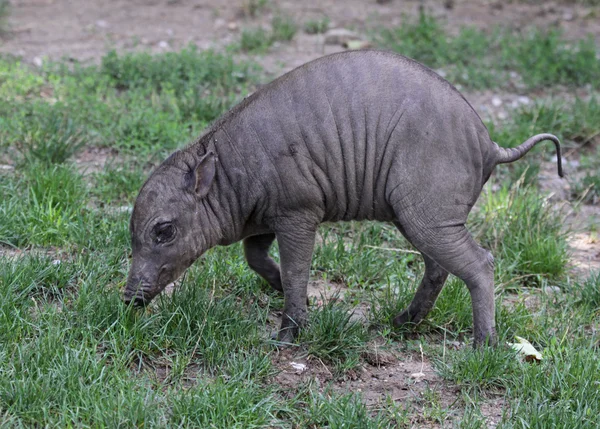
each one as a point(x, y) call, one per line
point(163, 233)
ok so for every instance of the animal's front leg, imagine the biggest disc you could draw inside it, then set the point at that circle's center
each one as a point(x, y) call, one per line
point(295, 252)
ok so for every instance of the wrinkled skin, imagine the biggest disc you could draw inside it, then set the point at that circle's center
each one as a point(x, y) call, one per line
point(352, 136)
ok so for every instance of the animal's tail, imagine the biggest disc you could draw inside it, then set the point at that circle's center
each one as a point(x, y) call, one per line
point(512, 154)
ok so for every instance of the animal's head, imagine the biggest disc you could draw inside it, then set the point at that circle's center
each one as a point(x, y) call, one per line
point(166, 224)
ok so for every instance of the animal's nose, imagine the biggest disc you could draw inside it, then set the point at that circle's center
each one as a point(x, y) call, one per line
point(138, 301)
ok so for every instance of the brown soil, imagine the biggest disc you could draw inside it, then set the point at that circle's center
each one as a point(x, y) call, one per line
point(84, 30)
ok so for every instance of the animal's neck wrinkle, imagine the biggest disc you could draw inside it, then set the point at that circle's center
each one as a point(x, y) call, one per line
point(233, 200)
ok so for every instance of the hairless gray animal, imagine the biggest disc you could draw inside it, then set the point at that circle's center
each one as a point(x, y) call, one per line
point(351, 136)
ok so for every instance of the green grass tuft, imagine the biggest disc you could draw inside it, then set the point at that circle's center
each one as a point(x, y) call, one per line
point(329, 409)
point(258, 40)
point(42, 207)
point(521, 227)
point(50, 135)
point(283, 27)
point(562, 391)
point(317, 26)
point(255, 40)
point(588, 293)
point(477, 59)
point(253, 8)
point(211, 405)
point(479, 369)
point(4, 12)
point(332, 335)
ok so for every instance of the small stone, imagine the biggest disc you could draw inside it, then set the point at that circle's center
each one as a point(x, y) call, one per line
point(523, 99)
point(298, 367)
point(38, 62)
point(552, 289)
point(6, 167)
point(220, 23)
point(378, 357)
point(418, 376)
point(163, 44)
point(456, 345)
point(547, 10)
point(568, 16)
point(502, 115)
point(101, 23)
point(340, 36)
point(357, 44)
point(496, 101)
point(232, 26)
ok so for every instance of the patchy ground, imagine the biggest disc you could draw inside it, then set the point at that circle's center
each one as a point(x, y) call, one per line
point(59, 28)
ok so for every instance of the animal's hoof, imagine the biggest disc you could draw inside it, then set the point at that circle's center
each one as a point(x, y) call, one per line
point(403, 319)
point(276, 285)
point(286, 336)
point(282, 339)
point(484, 340)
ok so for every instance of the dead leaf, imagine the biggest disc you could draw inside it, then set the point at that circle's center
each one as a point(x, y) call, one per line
point(526, 350)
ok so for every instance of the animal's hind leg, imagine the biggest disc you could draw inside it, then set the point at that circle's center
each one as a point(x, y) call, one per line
point(256, 249)
point(429, 289)
point(453, 249)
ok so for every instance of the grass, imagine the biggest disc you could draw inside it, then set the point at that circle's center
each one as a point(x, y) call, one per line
point(504, 59)
point(259, 40)
point(334, 337)
point(134, 103)
point(284, 28)
point(575, 123)
point(581, 2)
point(317, 26)
point(51, 137)
point(252, 8)
point(518, 225)
point(4, 12)
point(587, 188)
point(73, 355)
point(255, 40)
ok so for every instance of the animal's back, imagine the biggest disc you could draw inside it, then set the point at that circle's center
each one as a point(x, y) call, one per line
point(347, 134)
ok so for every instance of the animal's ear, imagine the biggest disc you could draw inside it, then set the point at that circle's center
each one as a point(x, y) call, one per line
point(204, 174)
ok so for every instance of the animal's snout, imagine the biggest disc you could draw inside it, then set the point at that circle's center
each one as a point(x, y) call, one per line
point(137, 300)
point(134, 294)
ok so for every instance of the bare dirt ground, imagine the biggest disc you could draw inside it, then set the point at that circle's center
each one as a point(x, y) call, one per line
point(84, 30)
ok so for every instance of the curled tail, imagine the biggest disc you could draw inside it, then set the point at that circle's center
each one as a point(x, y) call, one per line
point(512, 154)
